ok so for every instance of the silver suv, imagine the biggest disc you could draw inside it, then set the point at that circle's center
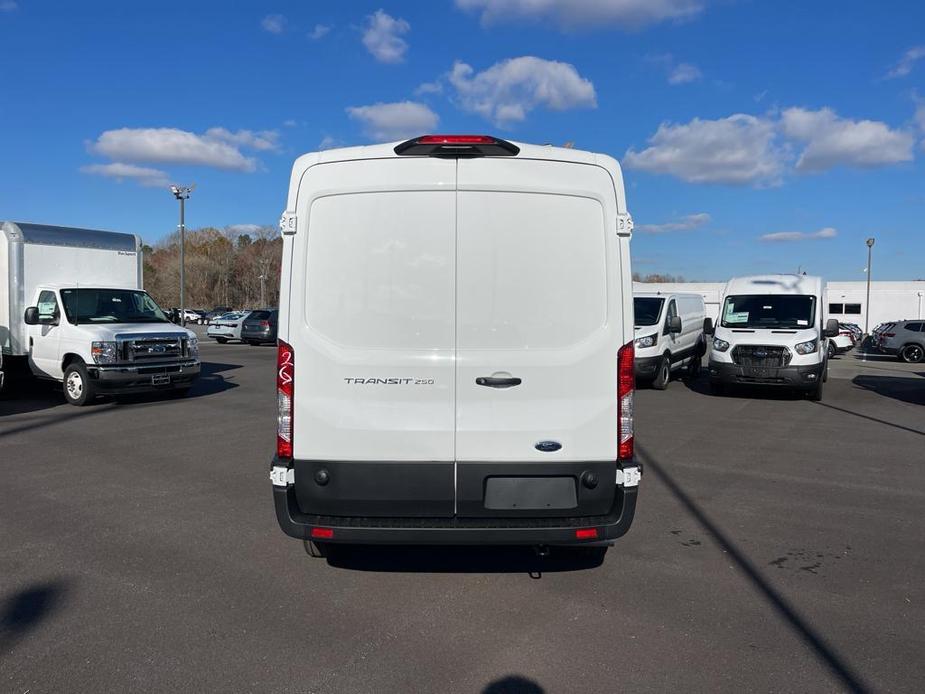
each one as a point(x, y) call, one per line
point(905, 339)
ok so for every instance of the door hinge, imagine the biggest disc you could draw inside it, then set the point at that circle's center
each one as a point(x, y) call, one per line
point(624, 224)
point(288, 222)
point(629, 477)
point(282, 476)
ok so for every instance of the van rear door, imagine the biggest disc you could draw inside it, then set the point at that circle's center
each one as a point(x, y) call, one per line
point(539, 321)
point(372, 324)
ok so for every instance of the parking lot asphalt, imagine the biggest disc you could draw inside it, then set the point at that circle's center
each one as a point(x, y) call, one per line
point(778, 546)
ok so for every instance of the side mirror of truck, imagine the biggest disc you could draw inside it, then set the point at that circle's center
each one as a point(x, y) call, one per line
point(708, 326)
point(831, 328)
point(31, 316)
point(674, 325)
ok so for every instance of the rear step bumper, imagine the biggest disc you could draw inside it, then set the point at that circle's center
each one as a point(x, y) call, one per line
point(454, 530)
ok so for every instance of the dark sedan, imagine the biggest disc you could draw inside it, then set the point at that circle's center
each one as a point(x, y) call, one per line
point(260, 326)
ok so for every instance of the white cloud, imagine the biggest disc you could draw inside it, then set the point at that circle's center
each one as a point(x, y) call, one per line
point(262, 140)
point(682, 73)
point(151, 178)
point(739, 150)
point(320, 31)
point(574, 14)
point(290, 122)
point(686, 223)
point(274, 23)
point(507, 91)
point(905, 64)
point(833, 141)
point(826, 233)
point(328, 142)
point(234, 230)
point(382, 37)
point(429, 88)
point(394, 121)
point(174, 146)
point(8, 6)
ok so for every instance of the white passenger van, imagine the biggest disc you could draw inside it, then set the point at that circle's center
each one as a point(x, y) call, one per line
point(669, 336)
point(455, 346)
point(770, 332)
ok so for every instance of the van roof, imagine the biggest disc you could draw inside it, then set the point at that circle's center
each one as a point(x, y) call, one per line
point(775, 284)
point(664, 295)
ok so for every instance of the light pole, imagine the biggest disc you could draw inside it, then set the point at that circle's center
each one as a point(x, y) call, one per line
point(181, 193)
point(870, 248)
point(263, 286)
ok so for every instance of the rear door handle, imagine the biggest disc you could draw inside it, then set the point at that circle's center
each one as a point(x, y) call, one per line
point(497, 382)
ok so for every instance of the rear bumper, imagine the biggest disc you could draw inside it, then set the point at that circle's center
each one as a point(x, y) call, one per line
point(786, 376)
point(491, 529)
point(258, 336)
point(138, 378)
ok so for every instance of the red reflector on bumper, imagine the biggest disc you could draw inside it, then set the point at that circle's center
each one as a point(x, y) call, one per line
point(586, 534)
point(323, 533)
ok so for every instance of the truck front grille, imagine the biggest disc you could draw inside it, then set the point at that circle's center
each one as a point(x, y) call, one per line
point(763, 356)
point(169, 348)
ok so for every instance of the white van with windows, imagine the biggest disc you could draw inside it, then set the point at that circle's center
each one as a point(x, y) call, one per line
point(669, 336)
point(770, 332)
point(455, 356)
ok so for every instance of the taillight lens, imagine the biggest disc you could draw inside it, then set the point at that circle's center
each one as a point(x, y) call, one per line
point(285, 382)
point(264, 324)
point(626, 385)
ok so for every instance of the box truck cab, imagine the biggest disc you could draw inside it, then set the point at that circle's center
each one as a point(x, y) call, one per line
point(669, 336)
point(455, 346)
point(76, 313)
point(770, 332)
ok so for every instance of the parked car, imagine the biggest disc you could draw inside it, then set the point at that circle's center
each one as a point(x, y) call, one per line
point(669, 329)
point(190, 315)
point(841, 343)
point(455, 362)
point(771, 333)
point(260, 326)
point(906, 340)
point(227, 327)
point(877, 334)
point(216, 313)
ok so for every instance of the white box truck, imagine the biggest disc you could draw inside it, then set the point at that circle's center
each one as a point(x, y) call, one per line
point(455, 360)
point(770, 333)
point(73, 310)
point(669, 336)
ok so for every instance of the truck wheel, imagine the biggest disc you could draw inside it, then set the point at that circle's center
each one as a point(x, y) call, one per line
point(816, 393)
point(221, 340)
point(912, 354)
point(663, 375)
point(831, 349)
point(693, 368)
point(79, 390)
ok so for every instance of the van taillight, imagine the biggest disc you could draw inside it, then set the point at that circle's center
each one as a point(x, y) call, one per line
point(626, 384)
point(285, 382)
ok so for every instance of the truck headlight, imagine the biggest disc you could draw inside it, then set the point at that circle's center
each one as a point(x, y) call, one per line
point(647, 341)
point(192, 346)
point(104, 352)
point(806, 347)
point(720, 345)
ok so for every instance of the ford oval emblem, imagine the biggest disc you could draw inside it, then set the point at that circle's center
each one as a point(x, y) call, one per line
point(548, 446)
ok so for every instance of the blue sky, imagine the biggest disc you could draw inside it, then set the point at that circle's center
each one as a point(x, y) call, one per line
point(802, 123)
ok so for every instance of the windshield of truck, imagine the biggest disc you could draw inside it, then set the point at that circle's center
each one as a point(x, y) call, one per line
point(769, 311)
point(110, 306)
point(647, 310)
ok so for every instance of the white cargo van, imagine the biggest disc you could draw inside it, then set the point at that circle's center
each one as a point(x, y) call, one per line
point(770, 332)
point(669, 336)
point(72, 310)
point(456, 346)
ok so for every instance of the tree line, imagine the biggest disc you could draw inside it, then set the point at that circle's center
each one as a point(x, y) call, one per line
point(223, 268)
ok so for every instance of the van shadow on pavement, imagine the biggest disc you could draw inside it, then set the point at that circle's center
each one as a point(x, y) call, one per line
point(911, 390)
point(463, 559)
